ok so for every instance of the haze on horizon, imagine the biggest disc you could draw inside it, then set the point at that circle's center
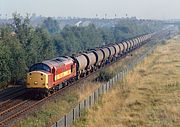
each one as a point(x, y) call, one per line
point(144, 9)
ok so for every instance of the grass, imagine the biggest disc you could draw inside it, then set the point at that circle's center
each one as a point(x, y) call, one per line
point(148, 97)
point(52, 111)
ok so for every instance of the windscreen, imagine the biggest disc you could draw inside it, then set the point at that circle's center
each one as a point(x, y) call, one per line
point(40, 67)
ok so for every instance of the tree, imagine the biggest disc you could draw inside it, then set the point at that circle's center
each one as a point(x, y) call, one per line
point(21, 26)
point(59, 45)
point(51, 25)
point(5, 74)
point(12, 56)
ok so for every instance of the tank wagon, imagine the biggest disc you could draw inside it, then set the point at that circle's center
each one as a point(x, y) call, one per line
point(122, 48)
point(91, 58)
point(117, 50)
point(81, 64)
point(99, 57)
point(106, 54)
point(112, 52)
point(51, 75)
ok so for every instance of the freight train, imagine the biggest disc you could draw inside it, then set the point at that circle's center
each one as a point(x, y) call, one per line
point(51, 75)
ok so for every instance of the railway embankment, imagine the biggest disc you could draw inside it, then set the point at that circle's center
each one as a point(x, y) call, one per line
point(149, 96)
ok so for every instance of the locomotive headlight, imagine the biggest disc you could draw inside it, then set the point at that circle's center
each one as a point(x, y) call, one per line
point(35, 83)
point(30, 78)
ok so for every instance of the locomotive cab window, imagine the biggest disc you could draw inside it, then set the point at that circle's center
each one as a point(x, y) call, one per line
point(40, 67)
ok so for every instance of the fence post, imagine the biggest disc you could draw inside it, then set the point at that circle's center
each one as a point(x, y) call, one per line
point(118, 76)
point(74, 115)
point(99, 90)
point(85, 103)
point(90, 101)
point(65, 120)
point(102, 89)
point(79, 109)
point(94, 95)
point(121, 76)
point(106, 87)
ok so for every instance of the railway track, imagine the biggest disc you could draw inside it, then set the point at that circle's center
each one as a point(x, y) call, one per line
point(8, 91)
point(11, 97)
point(15, 111)
point(11, 93)
point(12, 101)
point(17, 108)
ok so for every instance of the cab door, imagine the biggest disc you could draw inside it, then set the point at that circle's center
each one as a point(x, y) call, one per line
point(54, 74)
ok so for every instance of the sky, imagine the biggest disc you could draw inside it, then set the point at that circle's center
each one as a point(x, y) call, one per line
point(143, 9)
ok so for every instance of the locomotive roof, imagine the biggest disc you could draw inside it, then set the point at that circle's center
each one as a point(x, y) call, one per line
point(58, 61)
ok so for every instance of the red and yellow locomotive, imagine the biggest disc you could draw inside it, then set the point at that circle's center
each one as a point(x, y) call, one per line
point(51, 75)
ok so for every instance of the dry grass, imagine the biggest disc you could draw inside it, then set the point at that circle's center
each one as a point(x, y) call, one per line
point(149, 96)
point(86, 91)
point(52, 111)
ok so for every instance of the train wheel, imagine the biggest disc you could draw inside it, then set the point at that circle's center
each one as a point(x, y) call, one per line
point(51, 91)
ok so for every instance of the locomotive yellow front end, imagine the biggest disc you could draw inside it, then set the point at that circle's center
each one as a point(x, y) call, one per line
point(37, 79)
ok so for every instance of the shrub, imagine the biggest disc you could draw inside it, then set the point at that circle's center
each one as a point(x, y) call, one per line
point(105, 75)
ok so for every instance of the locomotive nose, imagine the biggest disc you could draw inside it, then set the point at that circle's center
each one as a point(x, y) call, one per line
point(37, 79)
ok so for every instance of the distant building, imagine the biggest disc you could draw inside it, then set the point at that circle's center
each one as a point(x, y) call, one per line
point(78, 23)
point(86, 23)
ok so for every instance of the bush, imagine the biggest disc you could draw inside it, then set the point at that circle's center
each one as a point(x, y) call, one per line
point(105, 75)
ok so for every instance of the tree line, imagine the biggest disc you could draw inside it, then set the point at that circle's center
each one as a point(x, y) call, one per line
point(22, 45)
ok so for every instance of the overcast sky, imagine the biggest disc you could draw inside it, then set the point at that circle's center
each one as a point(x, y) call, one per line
point(148, 9)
